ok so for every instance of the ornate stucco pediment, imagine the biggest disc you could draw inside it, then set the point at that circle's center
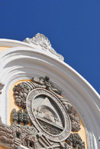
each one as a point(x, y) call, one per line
point(43, 42)
point(44, 103)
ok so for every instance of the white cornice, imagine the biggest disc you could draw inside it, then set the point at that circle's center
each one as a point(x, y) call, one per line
point(39, 41)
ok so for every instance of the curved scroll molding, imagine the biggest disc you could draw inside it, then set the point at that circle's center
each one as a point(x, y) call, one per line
point(19, 63)
point(39, 42)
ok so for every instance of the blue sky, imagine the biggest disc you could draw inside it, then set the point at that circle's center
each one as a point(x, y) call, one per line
point(73, 26)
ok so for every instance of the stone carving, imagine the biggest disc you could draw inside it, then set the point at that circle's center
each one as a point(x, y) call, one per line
point(15, 135)
point(49, 128)
point(19, 136)
point(26, 118)
point(75, 121)
point(44, 43)
point(14, 116)
point(74, 117)
point(44, 119)
point(75, 141)
point(22, 89)
point(47, 83)
point(43, 105)
point(20, 117)
point(20, 93)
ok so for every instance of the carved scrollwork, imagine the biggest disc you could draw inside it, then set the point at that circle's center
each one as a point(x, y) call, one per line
point(75, 141)
point(44, 43)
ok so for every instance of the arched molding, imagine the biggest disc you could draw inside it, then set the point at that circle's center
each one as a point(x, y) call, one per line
point(24, 61)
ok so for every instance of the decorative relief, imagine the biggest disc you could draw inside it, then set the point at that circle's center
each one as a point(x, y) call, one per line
point(45, 106)
point(44, 43)
point(21, 90)
point(75, 141)
point(44, 119)
point(75, 121)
